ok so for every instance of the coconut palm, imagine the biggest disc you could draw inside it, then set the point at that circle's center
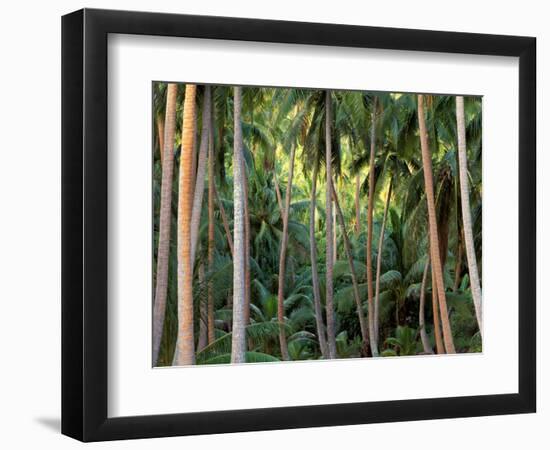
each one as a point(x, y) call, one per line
point(185, 344)
point(161, 288)
point(238, 342)
point(434, 240)
point(466, 213)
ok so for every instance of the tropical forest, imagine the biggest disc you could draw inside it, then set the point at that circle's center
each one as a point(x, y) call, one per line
point(310, 224)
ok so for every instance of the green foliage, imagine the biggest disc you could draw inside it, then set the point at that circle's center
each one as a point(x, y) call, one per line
point(273, 122)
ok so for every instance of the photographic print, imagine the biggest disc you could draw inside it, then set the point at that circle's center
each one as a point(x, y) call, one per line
point(295, 224)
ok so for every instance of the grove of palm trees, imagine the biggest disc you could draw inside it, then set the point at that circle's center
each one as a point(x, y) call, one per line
point(305, 224)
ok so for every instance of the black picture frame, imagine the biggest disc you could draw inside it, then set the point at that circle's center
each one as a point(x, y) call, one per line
point(84, 224)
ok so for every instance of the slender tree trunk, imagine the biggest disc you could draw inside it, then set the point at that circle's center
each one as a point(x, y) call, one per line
point(421, 310)
point(334, 234)
point(379, 265)
point(278, 192)
point(282, 259)
point(211, 230)
point(201, 171)
point(238, 341)
point(331, 332)
point(439, 346)
point(246, 245)
point(203, 310)
point(194, 152)
point(185, 344)
point(466, 214)
point(357, 205)
point(358, 305)
point(434, 241)
point(225, 221)
point(163, 254)
point(321, 333)
point(370, 212)
point(160, 133)
point(458, 264)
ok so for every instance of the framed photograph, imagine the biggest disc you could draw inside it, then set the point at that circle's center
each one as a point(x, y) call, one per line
point(273, 225)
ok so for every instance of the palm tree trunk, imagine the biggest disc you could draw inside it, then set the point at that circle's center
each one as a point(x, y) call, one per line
point(160, 133)
point(225, 221)
point(331, 332)
point(194, 152)
point(282, 258)
point(421, 313)
point(370, 211)
point(358, 305)
point(278, 192)
point(334, 233)
point(466, 213)
point(185, 344)
point(321, 333)
point(246, 245)
point(379, 266)
point(434, 241)
point(238, 340)
point(357, 205)
point(201, 171)
point(211, 231)
point(203, 313)
point(163, 254)
point(458, 264)
point(439, 346)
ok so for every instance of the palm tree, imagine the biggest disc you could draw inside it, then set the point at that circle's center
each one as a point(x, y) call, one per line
point(370, 210)
point(439, 345)
point(379, 264)
point(357, 204)
point(161, 289)
point(203, 314)
point(432, 218)
point(198, 191)
point(359, 306)
point(282, 256)
point(331, 323)
point(211, 228)
point(185, 344)
point(421, 310)
point(321, 331)
point(466, 213)
point(160, 133)
point(238, 341)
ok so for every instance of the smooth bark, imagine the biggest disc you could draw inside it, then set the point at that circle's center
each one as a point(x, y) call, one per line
point(238, 340)
point(203, 314)
point(160, 134)
point(185, 345)
point(211, 232)
point(282, 258)
point(334, 233)
point(357, 205)
point(439, 346)
point(432, 218)
point(356, 296)
point(370, 212)
point(421, 310)
point(379, 265)
point(458, 265)
point(246, 244)
point(225, 220)
point(466, 212)
point(201, 171)
point(165, 220)
point(331, 332)
point(321, 332)
point(278, 192)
